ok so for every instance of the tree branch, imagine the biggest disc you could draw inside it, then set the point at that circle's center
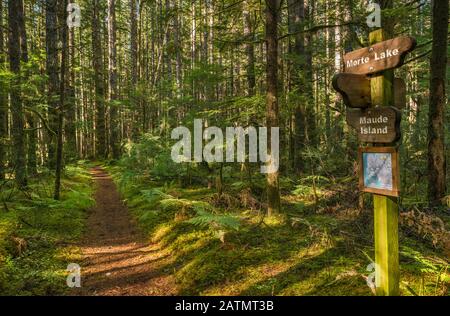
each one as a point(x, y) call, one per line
point(417, 57)
point(44, 121)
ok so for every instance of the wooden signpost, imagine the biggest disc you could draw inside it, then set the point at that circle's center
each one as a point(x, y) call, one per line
point(355, 90)
point(370, 91)
point(379, 57)
point(375, 125)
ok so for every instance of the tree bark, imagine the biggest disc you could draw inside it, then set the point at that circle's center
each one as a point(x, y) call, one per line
point(436, 115)
point(310, 113)
point(52, 64)
point(70, 133)
point(97, 62)
point(62, 95)
point(133, 41)
point(272, 11)
point(3, 103)
point(134, 61)
point(112, 68)
point(296, 16)
point(14, 11)
point(249, 50)
point(31, 134)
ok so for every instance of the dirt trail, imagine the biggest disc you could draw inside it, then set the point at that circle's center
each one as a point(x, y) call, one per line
point(116, 258)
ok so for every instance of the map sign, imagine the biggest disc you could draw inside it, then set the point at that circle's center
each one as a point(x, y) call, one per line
point(379, 170)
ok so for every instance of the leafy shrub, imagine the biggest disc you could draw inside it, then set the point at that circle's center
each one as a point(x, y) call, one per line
point(150, 157)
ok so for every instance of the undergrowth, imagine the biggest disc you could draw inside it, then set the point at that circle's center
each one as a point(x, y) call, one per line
point(38, 234)
point(320, 245)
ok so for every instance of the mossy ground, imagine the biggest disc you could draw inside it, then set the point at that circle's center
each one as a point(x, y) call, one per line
point(38, 234)
point(319, 245)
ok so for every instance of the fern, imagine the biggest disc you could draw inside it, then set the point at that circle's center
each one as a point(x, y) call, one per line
point(206, 219)
point(154, 196)
point(173, 204)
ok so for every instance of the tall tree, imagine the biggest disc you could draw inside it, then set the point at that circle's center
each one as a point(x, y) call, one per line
point(311, 132)
point(14, 16)
point(70, 134)
point(112, 71)
point(62, 96)
point(133, 40)
point(272, 13)
point(249, 50)
point(296, 16)
point(29, 118)
point(97, 62)
point(52, 65)
point(134, 5)
point(3, 102)
point(436, 115)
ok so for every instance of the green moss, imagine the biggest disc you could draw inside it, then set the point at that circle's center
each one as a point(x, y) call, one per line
point(49, 230)
point(302, 251)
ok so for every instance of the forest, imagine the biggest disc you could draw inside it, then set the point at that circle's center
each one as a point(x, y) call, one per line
point(120, 173)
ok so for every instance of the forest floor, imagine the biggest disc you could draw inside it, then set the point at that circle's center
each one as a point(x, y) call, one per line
point(224, 245)
point(117, 260)
point(39, 235)
point(135, 234)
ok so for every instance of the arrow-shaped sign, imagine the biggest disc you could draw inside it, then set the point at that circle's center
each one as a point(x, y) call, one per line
point(379, 57)
point(355, 90)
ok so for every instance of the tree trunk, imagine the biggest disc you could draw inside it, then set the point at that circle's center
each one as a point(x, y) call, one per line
point(178, 47)
point(112, 69)
point(70, 133)
point(62, 93)
point(97, 62)
point(249, 50)
point(296, 16)
point(3, 103)
point(311, 132)
point(436, 116)
point(30, 124)
point(272, 11)
point(134, 63)
point(133, 41)
point(19, 162)
point(51, 42)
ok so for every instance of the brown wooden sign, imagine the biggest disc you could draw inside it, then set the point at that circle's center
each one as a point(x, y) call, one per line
point(379, 170)
point(379, 57)
point(355, 89)
point(375, 125)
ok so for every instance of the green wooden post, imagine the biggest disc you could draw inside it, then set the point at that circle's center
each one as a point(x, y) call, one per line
point(385, 208)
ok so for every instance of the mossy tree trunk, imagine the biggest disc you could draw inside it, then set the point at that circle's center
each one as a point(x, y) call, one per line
point(272, 12)
point(19, 161)
point(436, 114)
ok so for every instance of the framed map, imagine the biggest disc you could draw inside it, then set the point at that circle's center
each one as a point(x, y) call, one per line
point(379, 170)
